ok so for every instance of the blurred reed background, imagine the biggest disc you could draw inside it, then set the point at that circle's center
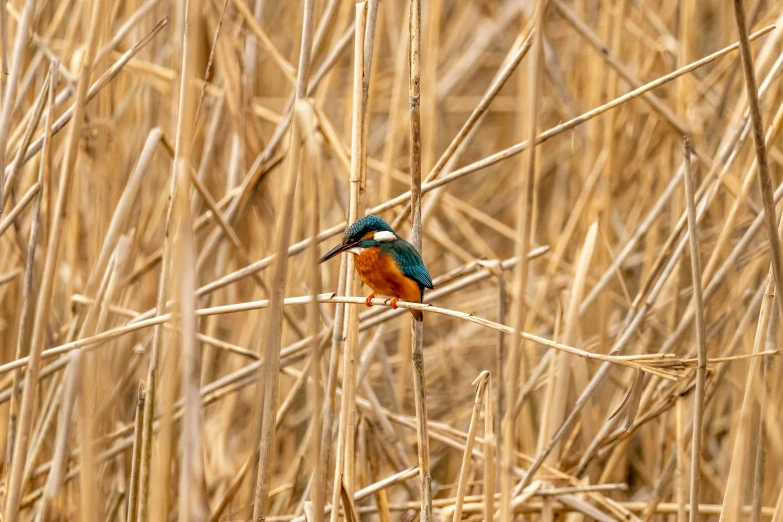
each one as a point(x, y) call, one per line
point(171, 350)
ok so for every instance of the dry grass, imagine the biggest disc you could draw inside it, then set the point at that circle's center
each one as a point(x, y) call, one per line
point(169, 348)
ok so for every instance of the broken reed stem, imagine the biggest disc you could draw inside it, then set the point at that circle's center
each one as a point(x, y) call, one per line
point(13, 496)
point(489, 452)
point(761, 445)
point(344, 472)
point(417, 327)
point(527, 180)
point(765, 180)
point(701, 346)
point(138, 423)
point(680, 477)
point(462, 482)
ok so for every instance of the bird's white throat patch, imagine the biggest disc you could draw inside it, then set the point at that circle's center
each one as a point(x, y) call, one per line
point(357, 251)
point(383, 236)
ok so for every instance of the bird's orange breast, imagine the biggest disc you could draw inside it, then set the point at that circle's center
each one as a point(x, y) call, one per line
point(380, 272)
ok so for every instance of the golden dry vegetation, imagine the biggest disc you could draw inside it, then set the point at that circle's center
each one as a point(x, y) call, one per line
point(170, 349)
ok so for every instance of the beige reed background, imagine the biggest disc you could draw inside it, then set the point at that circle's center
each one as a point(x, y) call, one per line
point(592, 185)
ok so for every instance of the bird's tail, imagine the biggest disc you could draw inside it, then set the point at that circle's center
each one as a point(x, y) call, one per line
point(417, 314)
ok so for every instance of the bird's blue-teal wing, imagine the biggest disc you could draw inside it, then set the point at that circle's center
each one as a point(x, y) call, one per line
point(409, 261)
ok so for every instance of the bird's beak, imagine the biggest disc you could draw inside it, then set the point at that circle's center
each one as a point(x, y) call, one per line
point(342, 247)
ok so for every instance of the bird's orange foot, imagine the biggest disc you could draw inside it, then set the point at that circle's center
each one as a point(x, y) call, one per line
point(393, 303)
point(367, 301)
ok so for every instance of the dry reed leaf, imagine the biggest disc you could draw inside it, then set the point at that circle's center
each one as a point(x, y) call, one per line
point(625, 414)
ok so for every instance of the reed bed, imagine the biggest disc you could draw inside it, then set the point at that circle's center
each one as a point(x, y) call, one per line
point(592, 185)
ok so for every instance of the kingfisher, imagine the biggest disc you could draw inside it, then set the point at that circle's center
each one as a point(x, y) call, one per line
point(388, 264)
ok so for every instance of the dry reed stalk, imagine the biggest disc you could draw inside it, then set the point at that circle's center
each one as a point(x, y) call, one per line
point(481, 386)
point(3, 46)
point(656, 364)
point(271, 350)
point(489, 452)
point(681, 476)
point(701, 370)
point(138, 423)
point(765, 181)
point(274, 332)
point(316, 387)
point(344, 479)
point(417, 327)
point(525, 217)
point(14, 492)
point(154, 364)
point(193, 501)
point(759, 475)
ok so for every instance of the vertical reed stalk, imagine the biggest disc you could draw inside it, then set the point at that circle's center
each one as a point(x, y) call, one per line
point(133, 486)
point(417, 327)
point(345, 456)
point(274, 328)
point(489, 453)
point(527, 179)
point(701, 344)
point(462, 483)
point(193, 501)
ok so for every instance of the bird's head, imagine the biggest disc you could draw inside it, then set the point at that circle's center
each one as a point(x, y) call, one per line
point(367, 232)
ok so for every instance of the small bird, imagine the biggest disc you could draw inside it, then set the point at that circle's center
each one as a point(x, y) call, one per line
point(388, 264)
